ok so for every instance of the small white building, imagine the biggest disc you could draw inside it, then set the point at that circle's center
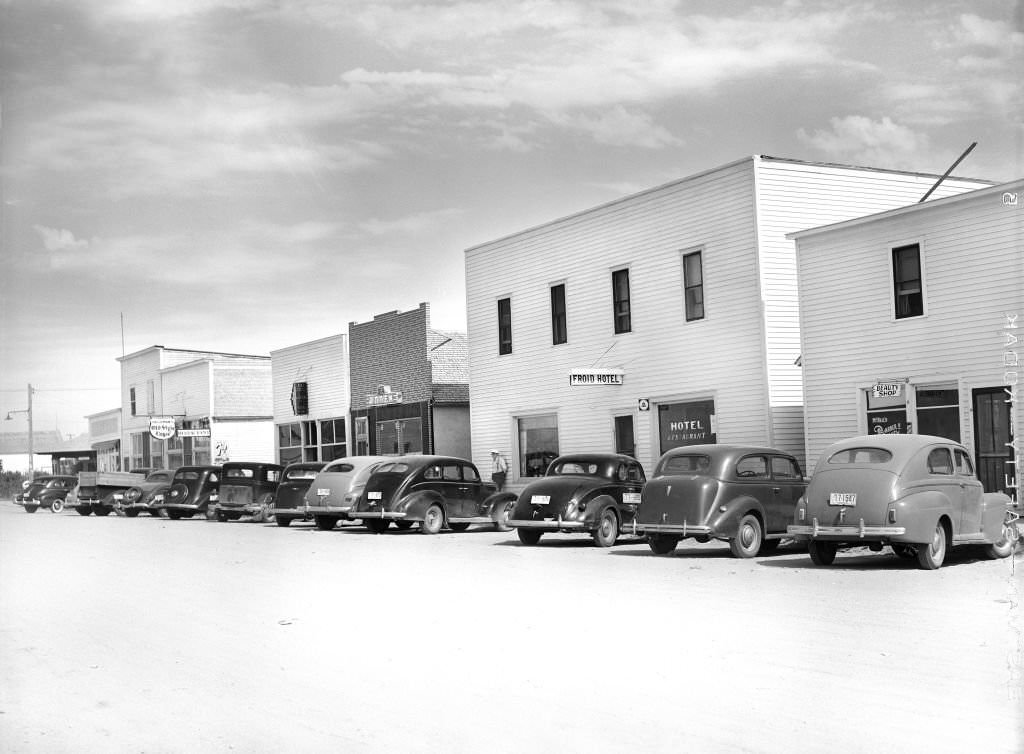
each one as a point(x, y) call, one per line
point(182, 407)
point(311, 400)
point(105, 439)
point(912, 320)
point(665, 318)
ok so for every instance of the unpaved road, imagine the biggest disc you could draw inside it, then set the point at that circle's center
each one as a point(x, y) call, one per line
point(150, 635)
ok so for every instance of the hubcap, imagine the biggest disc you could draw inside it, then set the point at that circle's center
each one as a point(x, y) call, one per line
point(747, 536)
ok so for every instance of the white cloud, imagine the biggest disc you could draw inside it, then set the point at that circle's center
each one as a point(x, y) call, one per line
point(419, 222)
point(863, 141)
point(620, 127)
point(58, 240)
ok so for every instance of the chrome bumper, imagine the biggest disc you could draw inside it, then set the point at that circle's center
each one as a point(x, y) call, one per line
point(858, 531)
point(375, 514)
point(556, 524)
point(327, 510)
point(293, 512)
point(684, 529)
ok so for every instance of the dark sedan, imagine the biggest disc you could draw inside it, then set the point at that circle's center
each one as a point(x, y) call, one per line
point(433, 491)
point(193, 490)
point(289, 502)
point(593, 493)
point(47, 491)
point(742, 494)
point(147, 496)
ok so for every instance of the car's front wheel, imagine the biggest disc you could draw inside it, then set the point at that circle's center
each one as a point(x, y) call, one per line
point(403, 525)
point(282, 520)
point(822, 553)
point(529, 536)
point(433, 520)
point(84, 511)
point(377, 525)
point(501, 524)
point(31, 508)
point(931, 555)
point(323, 523)
point(174, 515)
point(748, 539)
point(662, 544)
point(905, 552)
point(607, 530)
point(462, 526)
point(131, 512)
point(57, 506)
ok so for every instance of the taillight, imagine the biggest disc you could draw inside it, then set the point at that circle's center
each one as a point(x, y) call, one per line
point(891, 515)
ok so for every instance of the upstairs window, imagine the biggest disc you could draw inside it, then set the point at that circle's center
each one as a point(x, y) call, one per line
point(131, 400)
point(693, 286)
point(504, 326)
point(907, 283)
point(558, 326)
point(620, 301)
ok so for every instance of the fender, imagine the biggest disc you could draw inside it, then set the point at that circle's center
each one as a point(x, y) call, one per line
point(416, 504)
point(496, 503)
point(994, 506)
point(596, 506)
point(727, 523)
point(920, 512)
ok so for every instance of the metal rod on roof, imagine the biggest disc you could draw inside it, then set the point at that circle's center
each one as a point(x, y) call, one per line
point(951, 169)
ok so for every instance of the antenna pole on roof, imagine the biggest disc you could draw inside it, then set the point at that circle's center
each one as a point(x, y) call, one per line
point(951, 169)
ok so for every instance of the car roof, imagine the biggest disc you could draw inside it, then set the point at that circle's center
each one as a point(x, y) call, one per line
point(721, 451)
point(594, 458)
point(250, 465)
point(315, 465)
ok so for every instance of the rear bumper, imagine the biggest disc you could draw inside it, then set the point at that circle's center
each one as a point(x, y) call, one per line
point(557, 524)
point(387, 515)
point(683, 530)
point(327, 510)
point(304, 513)
point(246, 509)
point(844, 533)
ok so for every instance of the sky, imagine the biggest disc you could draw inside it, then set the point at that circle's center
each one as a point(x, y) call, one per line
point(246, 175)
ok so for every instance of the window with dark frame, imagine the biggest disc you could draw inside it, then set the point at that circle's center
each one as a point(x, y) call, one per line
point(504, 326)
point(620, 301)
point(131, 400)
point(558, 325)
point(693, 286)
point(907, 284)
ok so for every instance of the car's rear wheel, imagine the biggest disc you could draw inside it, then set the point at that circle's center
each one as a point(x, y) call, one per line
point(748, 539)
point(662, 544)
point(529, 536)
point(174, 515)
point(1004, 546)
point(931, 555)
point(222, 516)
point(101, 511)
point(458, 527)
point(769, 546)
point(377, 525)
point(501, 524)
point(56, 506)
point(324, 523)
point(282, 520)
point(822, 553)
point(31, 508)
point(433, 520)
point(84, 511)
point(131, 512)
point(403, 525)
point(906, 552)
point(607, 530)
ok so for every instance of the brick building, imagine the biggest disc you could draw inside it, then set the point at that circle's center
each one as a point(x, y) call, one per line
point(409, 386)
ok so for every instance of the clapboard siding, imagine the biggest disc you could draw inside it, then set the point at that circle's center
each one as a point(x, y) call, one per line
point(187, 389)
point(324, 365)
point(973, 276)
point(251, 440)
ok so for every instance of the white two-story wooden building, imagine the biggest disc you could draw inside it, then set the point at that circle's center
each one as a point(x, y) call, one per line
point(668, 317)
point(913, 321)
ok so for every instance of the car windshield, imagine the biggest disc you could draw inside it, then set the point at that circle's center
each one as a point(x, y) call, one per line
point(239, 473)
point(567, 468)
point(300, 474)
point(686, 464)
point(394, 467)
point(861, 455)
point(188, 476)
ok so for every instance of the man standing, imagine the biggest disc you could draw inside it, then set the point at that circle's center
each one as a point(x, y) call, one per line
point(499, 468)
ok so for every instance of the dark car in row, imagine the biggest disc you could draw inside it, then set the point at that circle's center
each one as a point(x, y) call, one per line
point(46, 491)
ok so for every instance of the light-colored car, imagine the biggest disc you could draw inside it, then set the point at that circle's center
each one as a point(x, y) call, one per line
point(915, 493)
point(337, 487)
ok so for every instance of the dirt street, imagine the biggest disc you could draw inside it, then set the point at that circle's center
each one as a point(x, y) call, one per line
point(150, 635)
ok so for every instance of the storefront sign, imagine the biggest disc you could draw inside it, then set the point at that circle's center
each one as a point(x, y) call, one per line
point(384, 399)
point(596, 377)
point(161, 427)
point(687, 424)
point(888, 422)
point(887, 390)
point(193, 433)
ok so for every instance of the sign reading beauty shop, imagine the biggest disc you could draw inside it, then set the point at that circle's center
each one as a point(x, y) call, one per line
point(595, 377)
point(161, 427)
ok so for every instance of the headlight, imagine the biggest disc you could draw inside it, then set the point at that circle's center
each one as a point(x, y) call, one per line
point(158, 497)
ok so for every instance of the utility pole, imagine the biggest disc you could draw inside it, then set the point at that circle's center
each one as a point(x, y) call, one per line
point(31, 449)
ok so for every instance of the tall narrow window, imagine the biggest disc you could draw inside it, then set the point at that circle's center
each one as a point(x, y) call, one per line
point(504, 326)
point(906, 276)
point(131, 400)
point(558, 330)
point(620, 301)
point(693, 284)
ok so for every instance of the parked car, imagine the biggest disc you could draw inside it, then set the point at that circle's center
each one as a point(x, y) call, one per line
point(193, 490)
point(337, 487)
point(917, 494)
point(247, 489)
point(289, 501)
point(102, 492)
point(147, 495)
point(743, 494)
point(47, 491)
point(595, 493)
point(433, 491)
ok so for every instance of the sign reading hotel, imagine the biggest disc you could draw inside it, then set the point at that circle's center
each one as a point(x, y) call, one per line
point(887, 390)
point(161, 427)
point(595, 377)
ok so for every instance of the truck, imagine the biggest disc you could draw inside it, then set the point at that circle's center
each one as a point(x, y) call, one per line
point(101, 492)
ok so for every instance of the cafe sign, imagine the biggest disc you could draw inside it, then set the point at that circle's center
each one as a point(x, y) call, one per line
point(887, 390)
point(161, 427)
point(595, 377)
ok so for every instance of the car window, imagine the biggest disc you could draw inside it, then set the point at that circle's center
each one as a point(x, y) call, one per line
point(963, 463)
point(635, 473)
point(686, 464)
point(394, 467)
point(469, 474)
point(752, 467)
point(239, 473)
point(451, 473)
point(575, 467)
point(273, 475)
point(861, 455)
point(300, 474)
point(785, 468)
point(188, 476)
point(339, 468)
point(213, 477)
point(432, 472)
point(940, 461)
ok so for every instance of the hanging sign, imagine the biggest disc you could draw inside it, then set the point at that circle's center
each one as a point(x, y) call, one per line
point(161, 427)
point(887, 390)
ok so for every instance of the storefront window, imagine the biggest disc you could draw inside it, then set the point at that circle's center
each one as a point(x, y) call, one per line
point(938, 412)
point(289, 443)
point(361, 428)
point(400, 437)
point(690, 423)
point(332, 434)
point(310, 449)
point(140, 451)
point(887, 415)
point(538, 443)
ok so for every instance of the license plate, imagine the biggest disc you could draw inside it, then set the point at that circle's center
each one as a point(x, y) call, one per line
point(323, 491)
point(540, 499)
point(631, 498)
point(374, 495)
point(842, 498)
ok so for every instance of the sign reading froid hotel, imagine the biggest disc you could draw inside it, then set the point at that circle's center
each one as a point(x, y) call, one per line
point(595, 377)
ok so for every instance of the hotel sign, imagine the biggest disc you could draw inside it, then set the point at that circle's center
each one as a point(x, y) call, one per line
point(596, 377)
